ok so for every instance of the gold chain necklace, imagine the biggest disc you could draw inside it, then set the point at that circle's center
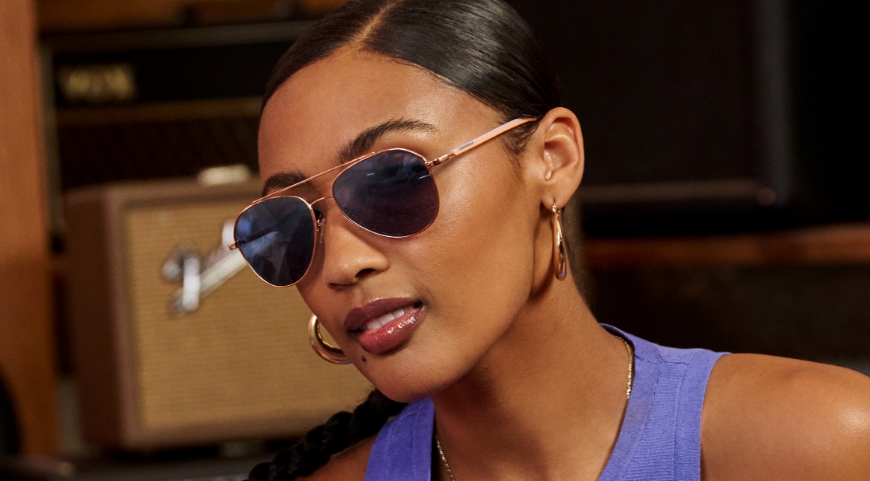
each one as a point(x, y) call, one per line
point(444, 459)
point(627, 396)
point(630, 367)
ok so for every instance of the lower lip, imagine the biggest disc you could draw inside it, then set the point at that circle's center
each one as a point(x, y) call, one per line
point(391, 335)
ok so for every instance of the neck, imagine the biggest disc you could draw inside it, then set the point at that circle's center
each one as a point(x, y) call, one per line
point(546, 402)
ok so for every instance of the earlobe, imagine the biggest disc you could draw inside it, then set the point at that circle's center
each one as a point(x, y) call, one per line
point(562, 158)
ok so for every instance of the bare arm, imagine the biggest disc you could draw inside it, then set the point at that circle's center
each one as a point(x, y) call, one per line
point(773, 418)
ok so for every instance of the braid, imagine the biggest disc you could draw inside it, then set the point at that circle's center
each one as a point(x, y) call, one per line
point(341, 431)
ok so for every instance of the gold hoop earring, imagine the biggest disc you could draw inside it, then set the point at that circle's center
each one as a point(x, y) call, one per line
point(321, 347)
point(560, 255)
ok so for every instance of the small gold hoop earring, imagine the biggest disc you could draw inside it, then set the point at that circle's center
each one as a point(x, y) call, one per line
point(321, 347)
point(560, 255)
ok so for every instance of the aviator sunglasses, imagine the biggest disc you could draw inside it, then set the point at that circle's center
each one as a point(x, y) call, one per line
point(390, 193)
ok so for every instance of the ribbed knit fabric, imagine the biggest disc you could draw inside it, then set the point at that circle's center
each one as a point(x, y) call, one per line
point(660, 438)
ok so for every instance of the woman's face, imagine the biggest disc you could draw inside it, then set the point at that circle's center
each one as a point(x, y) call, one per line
point(458, 285)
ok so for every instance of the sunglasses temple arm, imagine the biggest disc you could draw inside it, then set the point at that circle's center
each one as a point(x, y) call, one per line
point(481, 140)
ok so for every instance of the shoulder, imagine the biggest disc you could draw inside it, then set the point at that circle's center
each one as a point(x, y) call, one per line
point(348, 465)
point(774, 418)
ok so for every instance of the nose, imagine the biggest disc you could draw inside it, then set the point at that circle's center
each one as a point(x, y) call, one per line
point(349, 253)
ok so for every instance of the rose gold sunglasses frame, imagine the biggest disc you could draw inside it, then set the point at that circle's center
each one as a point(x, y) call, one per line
point(476, 142)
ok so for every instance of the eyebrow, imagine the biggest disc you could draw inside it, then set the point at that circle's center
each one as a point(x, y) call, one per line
point(356, 148)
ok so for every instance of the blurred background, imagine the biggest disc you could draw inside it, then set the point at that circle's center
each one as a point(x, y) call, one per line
point(723, 207)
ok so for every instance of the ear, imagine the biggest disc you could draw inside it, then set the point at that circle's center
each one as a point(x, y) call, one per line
point(556, 157)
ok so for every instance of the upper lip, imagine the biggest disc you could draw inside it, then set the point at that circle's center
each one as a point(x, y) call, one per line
point(360, 316)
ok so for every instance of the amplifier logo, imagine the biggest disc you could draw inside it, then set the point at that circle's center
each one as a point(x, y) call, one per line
point(200, 275)
point(97, 84)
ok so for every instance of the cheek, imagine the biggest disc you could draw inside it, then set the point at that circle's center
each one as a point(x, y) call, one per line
point(477, 259)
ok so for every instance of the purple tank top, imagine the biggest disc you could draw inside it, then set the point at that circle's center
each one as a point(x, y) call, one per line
point(660, 438)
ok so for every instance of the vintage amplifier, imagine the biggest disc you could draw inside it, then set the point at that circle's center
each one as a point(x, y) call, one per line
point(174, 340)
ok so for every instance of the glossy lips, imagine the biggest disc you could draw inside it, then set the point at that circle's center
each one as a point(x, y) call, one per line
point(384, 324)
point(384, 320)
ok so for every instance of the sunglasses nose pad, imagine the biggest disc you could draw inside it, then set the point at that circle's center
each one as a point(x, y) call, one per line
point(319, 221)
point(321, 224)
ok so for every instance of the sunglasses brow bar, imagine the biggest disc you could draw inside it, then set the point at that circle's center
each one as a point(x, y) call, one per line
point(476, 142)
point(453, 153)
point(345, 165)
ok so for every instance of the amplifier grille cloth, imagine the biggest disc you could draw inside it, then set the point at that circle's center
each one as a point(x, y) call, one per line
point(244, 355)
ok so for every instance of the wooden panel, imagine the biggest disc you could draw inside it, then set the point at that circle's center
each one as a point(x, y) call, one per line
point(69, 15)
point(319, 6)
point(818, 312)
point(833, 244)
point(26, 347)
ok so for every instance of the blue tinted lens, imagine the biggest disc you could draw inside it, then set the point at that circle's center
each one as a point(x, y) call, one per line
point(392, 193)
point(277, 239)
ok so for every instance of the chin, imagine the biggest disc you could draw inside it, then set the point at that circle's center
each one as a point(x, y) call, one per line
point(405, 390)
point(412, 382)
point(404, 395)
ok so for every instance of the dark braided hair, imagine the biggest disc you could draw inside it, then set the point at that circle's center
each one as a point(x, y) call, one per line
point(340, 431)
point(481, 47)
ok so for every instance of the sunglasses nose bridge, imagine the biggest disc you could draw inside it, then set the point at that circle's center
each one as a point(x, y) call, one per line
point(315, 202)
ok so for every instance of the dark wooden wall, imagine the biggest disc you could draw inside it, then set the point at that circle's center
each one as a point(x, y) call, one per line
point(26, 341)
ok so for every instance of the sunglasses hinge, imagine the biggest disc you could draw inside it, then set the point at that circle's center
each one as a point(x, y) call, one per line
point(440, 160)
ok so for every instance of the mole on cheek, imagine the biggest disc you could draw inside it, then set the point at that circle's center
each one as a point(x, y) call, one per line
point(364, 359)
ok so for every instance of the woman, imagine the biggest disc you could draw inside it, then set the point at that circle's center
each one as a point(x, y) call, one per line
point(439, 269)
